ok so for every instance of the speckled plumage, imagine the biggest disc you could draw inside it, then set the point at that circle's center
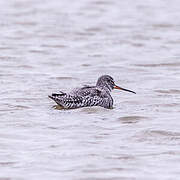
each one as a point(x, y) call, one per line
point(98, 95)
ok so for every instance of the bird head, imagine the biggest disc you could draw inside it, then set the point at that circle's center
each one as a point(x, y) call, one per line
point(108, 82)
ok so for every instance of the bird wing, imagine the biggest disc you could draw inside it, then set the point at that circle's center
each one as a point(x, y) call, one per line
point(90, 91)
point(94, 96)
point(83, 97)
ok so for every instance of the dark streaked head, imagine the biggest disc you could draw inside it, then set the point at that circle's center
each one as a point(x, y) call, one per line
point(108, 82)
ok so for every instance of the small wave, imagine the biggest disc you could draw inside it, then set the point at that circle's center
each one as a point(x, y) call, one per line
point(170, 91)
point(157, 136)
point(53, 46)
point(159, 65)
point(65, 78)
point(3, 164)
point(131, 119)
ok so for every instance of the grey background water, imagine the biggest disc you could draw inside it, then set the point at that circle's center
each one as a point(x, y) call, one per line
point(47, 46)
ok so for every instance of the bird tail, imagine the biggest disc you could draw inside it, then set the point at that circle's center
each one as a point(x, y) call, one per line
point(57, 97)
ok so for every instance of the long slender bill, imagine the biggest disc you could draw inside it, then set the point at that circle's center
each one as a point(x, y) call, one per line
point(120, 88)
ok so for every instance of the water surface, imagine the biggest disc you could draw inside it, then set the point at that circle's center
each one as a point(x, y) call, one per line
point(47, 46)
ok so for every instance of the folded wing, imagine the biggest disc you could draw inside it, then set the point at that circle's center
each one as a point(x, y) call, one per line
point(83, 97)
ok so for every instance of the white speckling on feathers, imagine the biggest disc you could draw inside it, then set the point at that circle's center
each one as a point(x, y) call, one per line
point(84, 97)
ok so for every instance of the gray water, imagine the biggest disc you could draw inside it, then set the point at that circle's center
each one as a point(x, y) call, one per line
point(47, 46)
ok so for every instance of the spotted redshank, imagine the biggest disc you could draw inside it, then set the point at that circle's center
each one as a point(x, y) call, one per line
point(86, 96)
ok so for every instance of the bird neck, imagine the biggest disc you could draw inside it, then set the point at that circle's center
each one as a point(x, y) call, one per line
point(105, 87)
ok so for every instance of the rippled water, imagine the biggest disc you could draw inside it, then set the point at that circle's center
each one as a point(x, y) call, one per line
point(47, 46)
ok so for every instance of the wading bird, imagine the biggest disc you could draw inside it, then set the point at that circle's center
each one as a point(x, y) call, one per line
point(87, 96)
